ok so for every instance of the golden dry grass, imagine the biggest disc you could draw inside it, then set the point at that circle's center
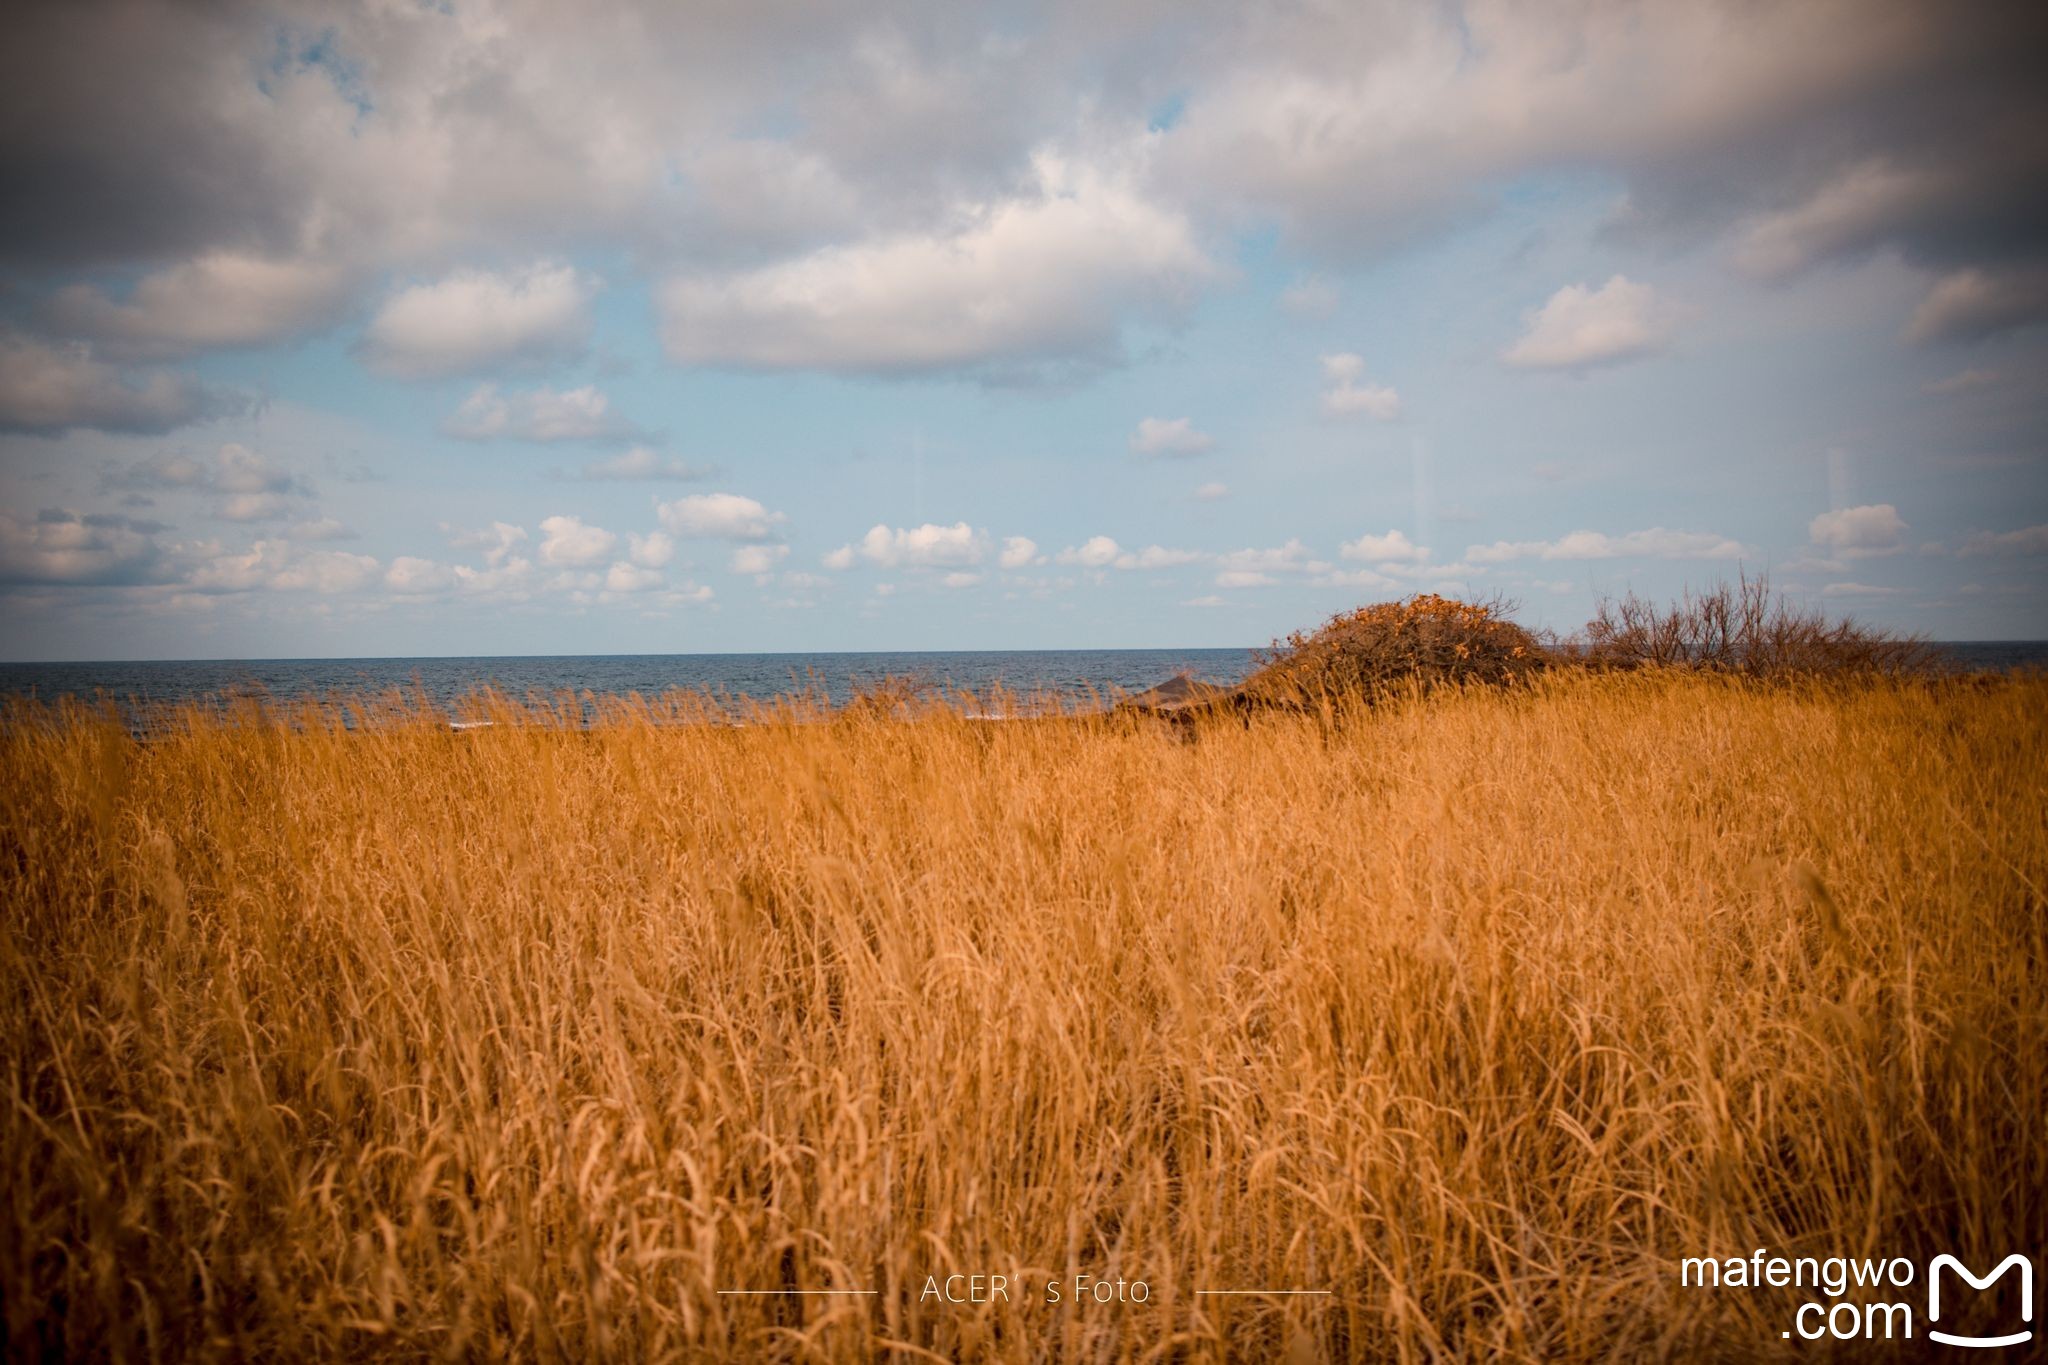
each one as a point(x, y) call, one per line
point(1478, 1013)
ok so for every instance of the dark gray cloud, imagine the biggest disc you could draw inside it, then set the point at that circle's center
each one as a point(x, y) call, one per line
point(249, 167)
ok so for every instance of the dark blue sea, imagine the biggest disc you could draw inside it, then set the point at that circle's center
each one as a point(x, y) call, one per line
point(1033, 672)
point(760, 677)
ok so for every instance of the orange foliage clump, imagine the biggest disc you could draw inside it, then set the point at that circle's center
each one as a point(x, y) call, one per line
point(1427, 640)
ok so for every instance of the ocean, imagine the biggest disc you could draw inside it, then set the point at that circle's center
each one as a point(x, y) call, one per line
point(1031, 672)
point(445, 681)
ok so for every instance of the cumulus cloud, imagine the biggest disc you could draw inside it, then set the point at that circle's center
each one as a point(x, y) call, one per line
point(1019, 552)
point(498, 541)
point(650, 551)
point(1859, 532)
point(254, 507)
point(1170, 436)
point(1579, 328)
point(1850, 212)
point(1349, 392)
point(49, 388)
point(1292, 557)
point(2031, 540)
point(757, 559)
point(643, 463)
point(719, 516)
point(249, 485)
point(926, 546)
point(1392, 547)
point(1158, 557)
point(411, 576)
point(1006, 284)
point(567, 543)
point(1655, 543)
point(283, 567)
point(63, 546)
point(411, 134)
point(320, 528)
point(475, 321)
point(624, 577)
point(1970, 304)
point(219, 300)
point(1211, 492)
point(539, 415)
point(1096, 552)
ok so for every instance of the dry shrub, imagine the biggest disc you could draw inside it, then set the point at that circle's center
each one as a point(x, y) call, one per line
point(1742, 628)
point(1426, 641)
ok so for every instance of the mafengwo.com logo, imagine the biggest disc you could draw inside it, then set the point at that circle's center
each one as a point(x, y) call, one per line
point(1869, 1299)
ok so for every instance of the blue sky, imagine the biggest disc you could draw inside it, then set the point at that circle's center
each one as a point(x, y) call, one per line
point(490, 329)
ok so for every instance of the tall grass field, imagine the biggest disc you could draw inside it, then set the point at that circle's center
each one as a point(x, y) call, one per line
point(1446, 1031)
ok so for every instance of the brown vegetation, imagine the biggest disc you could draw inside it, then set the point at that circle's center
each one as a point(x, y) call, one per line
point(1742, 627)
point(325, 1041)
point(1426, 641)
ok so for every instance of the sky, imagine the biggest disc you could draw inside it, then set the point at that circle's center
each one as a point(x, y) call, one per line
point(395, 329)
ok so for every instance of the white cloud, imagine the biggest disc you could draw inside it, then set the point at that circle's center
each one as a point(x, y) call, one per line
point(719, 516)
point(1393, 546)
point(623, 577)
point(1211, 600)
point(541, 415)
point(49, 388)
point(1860, 532)
point(1293, 557)
point(1019, 552)
point(1175, 436)
point(1158, 557)
point(1859, 590)
point(1349, 393)
point(321, 528)
point(1655, 543)
point(475, 320)
point(1045, 276)
point(218, 300)
point(252, 487)
point(840, 559)
point(960, 578)
point(758, 559)
point(1211, 492)
point(1970, 304)
point(644, 463)
point(1097, 552)
point(238, 469)
point(1352, 578)
point(1580, 327)
point(2031, 540)
point(652, 550)
point(508, 576)
point(1244, 578)
point(410, 576)
point(929, 545)
point(498, 540)
point(254, 507)
point(567, 543)
point(279, 565)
